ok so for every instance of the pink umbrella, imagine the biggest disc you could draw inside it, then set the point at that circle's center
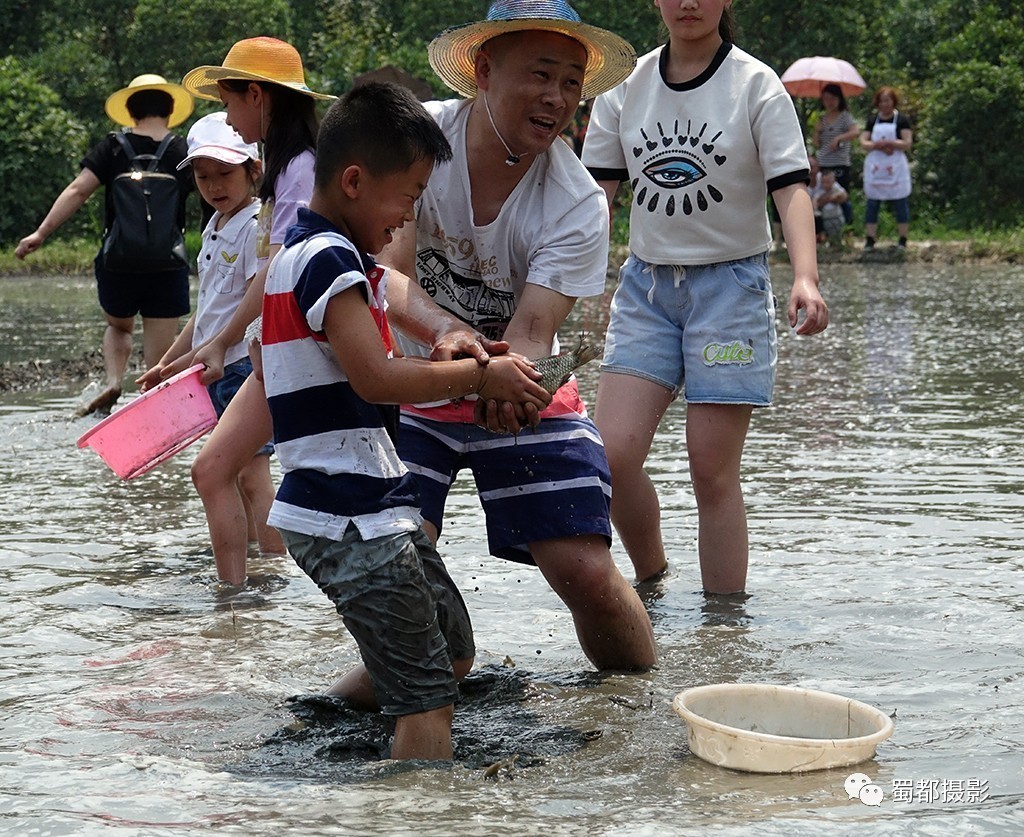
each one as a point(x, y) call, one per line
point(807, 76)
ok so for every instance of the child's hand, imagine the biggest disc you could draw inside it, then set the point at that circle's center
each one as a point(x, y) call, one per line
point(211, 356)
point(151, 377)
point(510, 381)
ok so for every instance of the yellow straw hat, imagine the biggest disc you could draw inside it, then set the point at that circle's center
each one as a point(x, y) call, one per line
point(117, 103)
point(452, 53)
point(254, 59)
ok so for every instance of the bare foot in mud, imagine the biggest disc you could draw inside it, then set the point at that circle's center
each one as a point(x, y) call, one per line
point(101, 403)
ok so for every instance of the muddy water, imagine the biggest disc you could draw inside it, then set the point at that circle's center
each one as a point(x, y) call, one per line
point(884, 494)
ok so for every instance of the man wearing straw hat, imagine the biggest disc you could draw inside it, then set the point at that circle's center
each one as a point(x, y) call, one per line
point(507, 236)
point(147, 108)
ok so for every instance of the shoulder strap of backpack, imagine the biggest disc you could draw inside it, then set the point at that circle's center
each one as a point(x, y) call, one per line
point(129, 152)
point(154, 159)
point(160, 149)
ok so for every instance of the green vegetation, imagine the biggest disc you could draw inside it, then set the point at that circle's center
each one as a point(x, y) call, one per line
point(957, 65)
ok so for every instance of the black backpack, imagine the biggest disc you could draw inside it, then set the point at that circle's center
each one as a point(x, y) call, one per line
point(144, 236)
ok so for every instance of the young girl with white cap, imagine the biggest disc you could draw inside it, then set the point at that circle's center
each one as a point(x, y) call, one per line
point(227, 173)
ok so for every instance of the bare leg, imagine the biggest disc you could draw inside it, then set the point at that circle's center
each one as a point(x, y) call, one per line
point(356, 688)
point(250, 520)
point(613, 628)
point(157, 335)
point(715, 434)
point(871, 230)
point(117, 351)
point(425, 735)
point(627, 414)
point(241, 431)
point(258, 490)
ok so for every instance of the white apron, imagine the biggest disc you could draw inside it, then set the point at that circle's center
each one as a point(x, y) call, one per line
point(886, 176)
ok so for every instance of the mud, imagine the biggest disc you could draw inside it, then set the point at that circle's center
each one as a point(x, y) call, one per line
point(493, 725)
point(38, 374)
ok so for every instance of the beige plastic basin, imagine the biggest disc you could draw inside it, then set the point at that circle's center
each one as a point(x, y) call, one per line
point(763, 728)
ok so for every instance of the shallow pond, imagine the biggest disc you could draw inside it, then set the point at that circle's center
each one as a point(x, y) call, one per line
point(884, 492)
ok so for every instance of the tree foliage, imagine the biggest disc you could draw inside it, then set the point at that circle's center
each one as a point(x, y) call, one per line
point(956, 63)
point(172, 38)
point(42, 145)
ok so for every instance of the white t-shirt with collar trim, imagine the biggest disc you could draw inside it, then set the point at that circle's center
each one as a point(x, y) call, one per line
point(227, 261)
point(701, 156)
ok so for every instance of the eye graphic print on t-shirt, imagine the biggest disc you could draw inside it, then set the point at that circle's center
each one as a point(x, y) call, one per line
point(672, 164)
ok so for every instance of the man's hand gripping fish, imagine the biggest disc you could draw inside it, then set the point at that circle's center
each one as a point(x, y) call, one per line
point(557, 369)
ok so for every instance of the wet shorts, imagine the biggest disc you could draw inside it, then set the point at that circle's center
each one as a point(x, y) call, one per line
point(223, 390)
point(401, 607)
point(552, 483)
point(708, 330)
point(164, 294)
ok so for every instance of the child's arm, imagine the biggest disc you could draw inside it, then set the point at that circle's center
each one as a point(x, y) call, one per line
point(211, 353)
point(182, 344)
point(378, 379)
point(797, 216)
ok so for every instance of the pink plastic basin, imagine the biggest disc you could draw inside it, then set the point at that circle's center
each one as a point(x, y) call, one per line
point(155, 426)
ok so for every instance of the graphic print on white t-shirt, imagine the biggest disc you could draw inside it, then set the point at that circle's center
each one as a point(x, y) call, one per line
point(469, 298)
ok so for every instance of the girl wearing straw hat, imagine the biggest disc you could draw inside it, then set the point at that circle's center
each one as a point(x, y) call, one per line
point(263, 88)
point(147, 108)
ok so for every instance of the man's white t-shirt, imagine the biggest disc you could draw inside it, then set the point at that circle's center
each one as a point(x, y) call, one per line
point(551, 231)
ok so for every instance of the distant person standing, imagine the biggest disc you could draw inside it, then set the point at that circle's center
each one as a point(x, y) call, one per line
point(833, 132)
point(887, 138)
point(147, 108)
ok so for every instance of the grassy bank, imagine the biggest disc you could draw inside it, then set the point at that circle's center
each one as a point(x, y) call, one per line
point(929, 242)
point(66, 257)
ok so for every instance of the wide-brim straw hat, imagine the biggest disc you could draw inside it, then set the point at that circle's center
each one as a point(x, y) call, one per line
point(254, 59)
point(117, 103)
point(610, 58)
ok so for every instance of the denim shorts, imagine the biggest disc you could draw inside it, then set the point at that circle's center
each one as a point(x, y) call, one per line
point(224, 389)
point(705, 330)
point(544, 484)
point(400, 606)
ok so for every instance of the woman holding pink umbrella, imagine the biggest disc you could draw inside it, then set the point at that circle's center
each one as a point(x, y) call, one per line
point(833, 132)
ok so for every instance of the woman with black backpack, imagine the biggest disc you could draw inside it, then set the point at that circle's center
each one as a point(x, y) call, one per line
point(142, 267)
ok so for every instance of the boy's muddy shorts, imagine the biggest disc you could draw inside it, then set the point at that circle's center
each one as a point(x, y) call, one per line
point(401, 607)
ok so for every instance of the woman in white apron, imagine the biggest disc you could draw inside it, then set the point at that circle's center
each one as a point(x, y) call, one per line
point(887, 139)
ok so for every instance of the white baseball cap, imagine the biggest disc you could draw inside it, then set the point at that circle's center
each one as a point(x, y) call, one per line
point(212, 137)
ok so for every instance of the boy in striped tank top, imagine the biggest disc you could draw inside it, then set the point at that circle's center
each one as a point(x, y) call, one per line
point(347, 508)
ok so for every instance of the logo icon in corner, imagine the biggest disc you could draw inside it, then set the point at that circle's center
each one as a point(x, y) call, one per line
point(859, 786)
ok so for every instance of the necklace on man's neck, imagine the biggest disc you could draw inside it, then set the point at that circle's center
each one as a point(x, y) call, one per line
point(511, 159)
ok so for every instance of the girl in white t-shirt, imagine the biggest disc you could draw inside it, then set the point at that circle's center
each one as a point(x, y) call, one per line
point(227, 172)
point(703, 132)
